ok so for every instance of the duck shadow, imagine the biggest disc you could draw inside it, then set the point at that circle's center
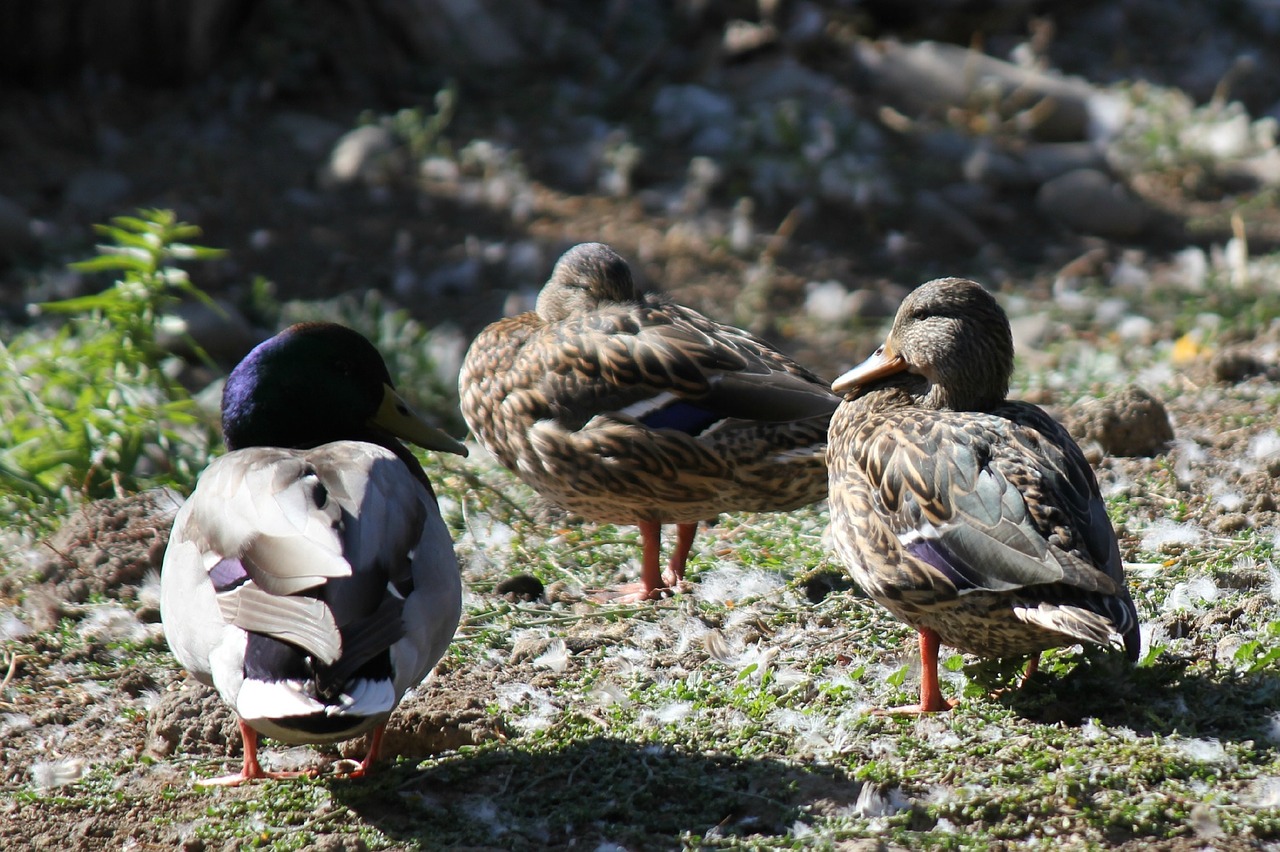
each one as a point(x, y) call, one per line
point(1162, 696)
point(591, 793)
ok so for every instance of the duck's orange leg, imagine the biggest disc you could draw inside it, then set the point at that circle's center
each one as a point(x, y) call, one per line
point(251, 768)
point(650, 587)
point(650, 574)
point(679, 556)
point(371, 757)
point(1033, 666)
point(931, 700)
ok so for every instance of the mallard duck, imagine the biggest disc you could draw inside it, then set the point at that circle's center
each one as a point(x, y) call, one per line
point(630, 409)
point(310, 578)
point(973, 518)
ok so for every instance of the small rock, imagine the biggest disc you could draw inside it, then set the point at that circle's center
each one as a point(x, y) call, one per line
point(310, 134)
point(368, 155)
point(520, 587)
point(991, 167)
point(1238, 363)
point(745, 36)
point(687, 111)
point(1129, 423)
point(338, 843)
point(1088, 201)
point(527, 648)
point(822, 583)
point(827, 301)
point(135, 681)
point(1030, 331)
point(97, 190)
point(934, 214)
point(930, 77)
point(1230, 523)
point(1048, 160)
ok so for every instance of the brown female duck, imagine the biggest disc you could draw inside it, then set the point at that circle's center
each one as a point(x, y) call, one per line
point(628, 408)
point(973, 518)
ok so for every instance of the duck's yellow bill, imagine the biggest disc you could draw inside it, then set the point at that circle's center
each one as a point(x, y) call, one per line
point(400, 420)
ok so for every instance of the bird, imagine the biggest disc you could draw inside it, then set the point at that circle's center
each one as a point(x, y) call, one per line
point(973, 518)
point(628, 408)
point(309, 577)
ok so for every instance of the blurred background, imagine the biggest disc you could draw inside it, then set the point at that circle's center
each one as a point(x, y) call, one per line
point(793, 167)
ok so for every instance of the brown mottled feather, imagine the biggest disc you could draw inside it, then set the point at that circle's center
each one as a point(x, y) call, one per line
point(962, 513)
point(560, 396)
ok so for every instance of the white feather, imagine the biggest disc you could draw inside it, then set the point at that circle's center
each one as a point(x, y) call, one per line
point(638, 410)
point(275, 699)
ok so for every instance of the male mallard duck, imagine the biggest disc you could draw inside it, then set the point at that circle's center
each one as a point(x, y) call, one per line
point(627, 409)
point(310, 577)
point(973, 518)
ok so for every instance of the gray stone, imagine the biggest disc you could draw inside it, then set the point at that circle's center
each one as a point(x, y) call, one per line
point(310, 134)
point(934, 213)
point(989, 166)
point(683, 110)
point(97, 190)
point(1029, 331)
point(929, 77)
point(1047, 160)
point(368, 155)
point(1088, 201)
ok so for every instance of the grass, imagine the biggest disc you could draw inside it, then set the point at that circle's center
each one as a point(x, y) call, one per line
point(87, 406)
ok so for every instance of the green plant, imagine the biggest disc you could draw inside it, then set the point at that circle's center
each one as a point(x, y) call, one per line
point(423, 132)
point(86, 406)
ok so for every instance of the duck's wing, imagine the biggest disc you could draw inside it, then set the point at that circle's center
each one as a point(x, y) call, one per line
point(312, 554)
point(670, 367)
point(998, 503)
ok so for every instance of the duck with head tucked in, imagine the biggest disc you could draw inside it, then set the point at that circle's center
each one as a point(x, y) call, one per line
point(973, 518)
point(631, 409)
point(310, 578)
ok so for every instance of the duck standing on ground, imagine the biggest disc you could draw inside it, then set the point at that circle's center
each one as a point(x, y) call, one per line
point(631, 409)
point(310, 578)
point(973, 518)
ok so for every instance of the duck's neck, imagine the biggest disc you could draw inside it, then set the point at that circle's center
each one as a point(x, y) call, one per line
point(909, 390)
point(386, 439)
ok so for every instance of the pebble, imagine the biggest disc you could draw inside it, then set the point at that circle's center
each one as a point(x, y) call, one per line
point(310, 134)
point(1237, 363)
point(1047, 160)
point(927, 77)
point(683, 111)
point(520, 587)
point(368, 155)
point(1088, 201)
